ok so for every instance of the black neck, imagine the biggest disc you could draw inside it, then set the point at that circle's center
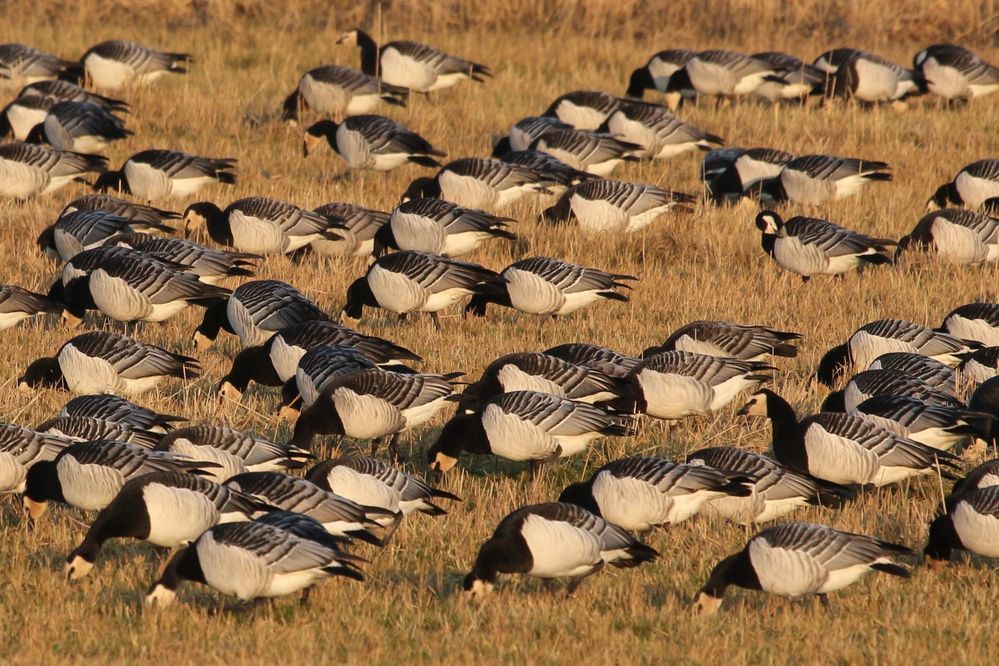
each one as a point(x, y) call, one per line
point(216, 319)
point(736, 570)
point(319, 419)
point(369, 53)
point(42, 483)
point(252, 364)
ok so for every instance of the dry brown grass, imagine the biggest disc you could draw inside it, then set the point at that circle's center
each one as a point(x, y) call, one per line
point(706, 265)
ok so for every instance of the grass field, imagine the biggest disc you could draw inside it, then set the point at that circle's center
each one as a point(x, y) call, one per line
point(704, 265)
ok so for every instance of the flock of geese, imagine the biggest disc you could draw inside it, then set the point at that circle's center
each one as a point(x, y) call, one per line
point(227, 502)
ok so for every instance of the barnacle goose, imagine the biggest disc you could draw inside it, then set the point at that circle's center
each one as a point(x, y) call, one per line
point(547, 286)
point(973, 185)
point(319, 368)
point(525, 132)
point(663, 73)
point(66, 91)
point(116, 64)
point(79, 126)
point(27, 170)
point(937, 374)
point(480, 182)
point(798, 559)
point(156, 174)
point(871, 78)
point(984, 475)
point(954, 72)
point(32, 105)
point(727, 73)
point(584, 109)
point(372, 142)
point(817, 179)
point(959, 235)
point(142, 218)
point(870, 383)
point(553, 540)
point(333, 90)
point(20, 449)
point(18, 304)
point(208, 264)
point(725, 339)
point(593, 152)
point(559, 174)
point(797, 80)
point(661, 134)
point(88, 429)
point(829, 61)
point(114, 409)
point(970, 522)
point(974, 321)
point(614, 206)
point(943, 427)
point(440, 227)
point(234, 451)
point(731, 173)
point(21, 64)
point(81, 230)
point(607, 361)
point(412, 65)
point(356, 227)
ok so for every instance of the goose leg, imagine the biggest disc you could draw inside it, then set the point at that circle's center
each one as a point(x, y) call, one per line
point(374, 445)
point(393, 448)
point(437, 322)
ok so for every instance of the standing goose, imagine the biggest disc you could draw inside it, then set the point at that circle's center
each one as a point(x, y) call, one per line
point(259, 225)
point(810, 246)
point(614, 206)
point(638, 494)
point(601, 359)
point(440, 227)
point(319, 368)
point(970, 522)
point(356, 227)
point(21, 449)
point(798, 559)
point(665, 73)
point(103, 362)
point(959, 235)
point(372, 142)
point(338, 91)
point(18, 304)
point(412, 65)
point(727, 74)
point(974, 321)
point(954, 72)
point(88, 429)
point(659, 132)
point(525, 132)
point(142, 218)
point(584, 109)
point(526, 426)
point(797, 80)
point(546, 286)
point(559, 174)
point(817, 179)
point(208, 264)
point(157, 174)
point(942, 427)
point(234, 452)
point(405, 282)
point(22, 65)
point(595, 153)
point(107, 407)
point(973, 185)
point(27, 170)
point(81, 230)
point(731, 173)
point(870, 78)
point(725, 339)
point(79, 126)
point(116, 64)
point(553, 540)
point(480, 182)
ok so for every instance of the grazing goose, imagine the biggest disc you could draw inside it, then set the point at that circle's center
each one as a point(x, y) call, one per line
point(88, 475)
point(775, 490)
point(255, 311)
point(166, 509)
point(546, 286)
point(79, 126)
point(103, 362)
point(939, 376)
point(661, 134)
point(974, 321)
point(525, 132)
point(116, 64)
point(319, 368)
point(260, 225)
point(592, 152)
point(88, 429)
point(142, 218)
point(725, 339)
point(356, 227)
point(208, 264)
point(973, 185)
point(440, 227)
point(18, 304)
point(81, 230)
point(798, 559)
point(22, 65)
point(809, 246)
point(27, 170)
point(961, 236)
point(979, 366)
point(985, 400)
point(727, 74)
point(601, 359)
point(797, 80)
point(234, 452)
point(584, 109)
point(156, 174)
point(942, 427)
point(954, 72)
point(970, 522)
point(843, 449)
point(480, 182)
point(731, 173)
point(870, 78)
point(412, 65)
point(663, 73)
point(526, 426)
point(372, 142)
point(614, 206)
point(559, 174)
point(553, 540)
point(252, 560)
point(113, 409)
point(405, 282)
point(638, 494)
point(21, 449)
point(338, 91)
point(32, 105)
point(817, 179)
point(870, 383)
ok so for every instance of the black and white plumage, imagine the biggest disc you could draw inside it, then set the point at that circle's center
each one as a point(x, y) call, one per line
point(260, 225)
point(79, 126)
point(142, 218)
point(20, 449)
point(958, 235)
point(116, 64)
point(797, 80)
point(984, 475)
point(372, 142)
point(22, 65)
point(27, 170)
point(726, 339)
point(977, 321)
point(584, 109)
point(663, 73)
point(208, 264)
point(973, 185)
point(985, 400)
point(319, 368)
point(103, 362)
point(817, 179)
point(18, 304)
point(356, 227)
point(234, 451)
point(808, 246)
point(870, 78)
point(870, 383)
point(480, 182)
point(29, 109)
point(88, 429)
point(547, 286)
point(614, 206)
point(727, 73)
point(526, 426)
point(440, 227)
point(943, 427)
point(799, 559)
point(936, 374)
point(553, 540)
point(607, 361)
point(114, 409)
point(66, 91)
point(334, 90)
point(661, 134)
point(731, 173)
point(559, 174)
point(81, 230)
point(157, 174)
point(829, 61)
point(592, 152)
point(412, 65)
point(525, 132)
point(954, 72)
point(979, 366)
point(970, 522)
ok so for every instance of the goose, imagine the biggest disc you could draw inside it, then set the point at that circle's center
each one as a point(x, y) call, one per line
point(985, 400)
point(333, 90)
point(775, 490)
point(372, 142)
point(31, 106)
point(251, 560)
point(440, 227)
point(638, 494)
point(357, 228)
point(727, 74)
point(166, 509)
point(79, 267)
point(974, 321)
point(607, 361)
point(302, 526)
point(843, 449)
point(870, 383)
point(664, 72)
point(255, 311)
point(954, 72)
point(973, 186)
point(142, 218)
point(526, 426)
point(82, 127)
point(614, 206)
point(234, 451)
point(547, 286)
point(797, 80)
point(88, 475)
point(412, 65)
point(59, 90)
point(405, 282)
point(207, 264)
point(21, 449)
point(970, 522)
point(958, 235)
point(592, 152)
point(661, 134)
point(525, 132)
point(799, 559)
point(871, 78)
point(809, 246)
point(81, 230)
point(979, 366)
point(117, 64)
point(937, 375)
point(942, 427)
point(260, 225)
point(157, 174)
point(817, 179)
point(88, 429)
point(731, 173)
point(726, 339)
point(584, 109)
point(276, 361)
point(829, 61)
point(27, 170)
point(317, 369)
point(18, 304)
point(480, 182)
point(21, 65)
point(553, 540)
point(103, 362)
point(558, 174)
point(114, 409)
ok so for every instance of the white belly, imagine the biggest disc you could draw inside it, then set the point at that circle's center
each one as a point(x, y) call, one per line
point(108, 74)
point(177, 515)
